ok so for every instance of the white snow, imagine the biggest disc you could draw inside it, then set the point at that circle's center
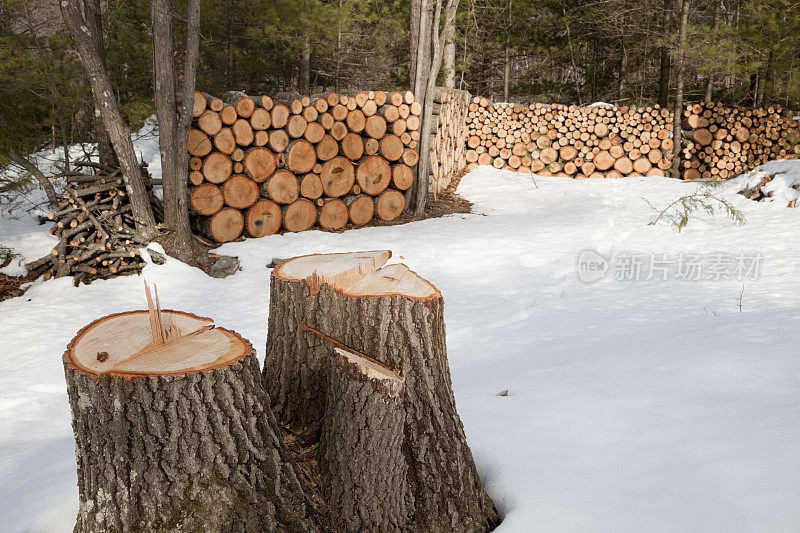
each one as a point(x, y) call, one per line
point(784, 172)
point(633, 406)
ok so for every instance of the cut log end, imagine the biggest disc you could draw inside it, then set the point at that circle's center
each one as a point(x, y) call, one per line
point(126, 340)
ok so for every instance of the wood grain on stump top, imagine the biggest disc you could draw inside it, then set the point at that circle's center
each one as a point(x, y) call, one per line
point(360, 274)
point(122, 344)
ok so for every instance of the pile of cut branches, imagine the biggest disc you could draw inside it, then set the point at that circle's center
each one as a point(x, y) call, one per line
point(97, 231)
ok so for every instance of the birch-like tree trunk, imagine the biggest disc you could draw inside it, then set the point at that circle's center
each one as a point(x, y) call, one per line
point(78, 15)
point(678, 109)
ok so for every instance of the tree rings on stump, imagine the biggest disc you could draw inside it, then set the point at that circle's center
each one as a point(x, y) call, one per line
point(353, 302)
point(162, 427)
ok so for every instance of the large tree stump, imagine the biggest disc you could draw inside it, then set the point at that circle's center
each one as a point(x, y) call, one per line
point(173, 430)
point(396, 317)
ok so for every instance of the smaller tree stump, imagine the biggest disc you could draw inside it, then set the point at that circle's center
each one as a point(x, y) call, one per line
point(362, 467)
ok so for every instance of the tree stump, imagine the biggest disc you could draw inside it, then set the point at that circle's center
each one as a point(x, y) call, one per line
point(396, 317)
point(362, 468)
point(173, 429)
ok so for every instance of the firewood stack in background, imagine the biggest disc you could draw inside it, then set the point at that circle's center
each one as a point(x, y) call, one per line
point(722, 142)
point(560, 140)
point(96, 230)
point(449, 137)
point(259, 165)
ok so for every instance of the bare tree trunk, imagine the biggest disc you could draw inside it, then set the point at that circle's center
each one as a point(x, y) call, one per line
point(34, 171)
point(174, 127)
point(664, 71)
point(450, 55)
point(765, 94)
point(677, 143)
point(506, 72)
point(89, 44)
point(507, 56)
point(623, 73)
point(54, 92)
point(423, 51)
point(414, 42)
point(427, 111)
point(710, 80)
point(305, 66)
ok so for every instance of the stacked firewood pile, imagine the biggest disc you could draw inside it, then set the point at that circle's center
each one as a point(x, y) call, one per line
point(447, 152)
point(96, 230)
point(722, 142)
point(260, 164)
point(560, 140)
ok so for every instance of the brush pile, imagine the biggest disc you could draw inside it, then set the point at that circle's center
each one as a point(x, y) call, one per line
point(96, 230)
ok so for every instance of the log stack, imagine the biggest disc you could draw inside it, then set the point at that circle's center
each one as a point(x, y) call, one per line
point(96, 230)
point(259, 165)
point(572, 141)
point(722, 142)
point(449, 140)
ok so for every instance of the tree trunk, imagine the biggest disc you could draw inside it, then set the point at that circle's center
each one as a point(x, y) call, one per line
point(89, 44)
point(423, 49)
point(710, 80)
point(174, 125)
point(362, 468)
point(414, 32)
point(664, 70)
point(396, 317)
point(427, 110)
point(305, 67)
point(450, 54)
point(678, 110)
point(176, 434)
point(34, 171)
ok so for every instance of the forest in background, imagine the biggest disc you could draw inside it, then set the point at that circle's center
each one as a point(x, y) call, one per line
point(740, 52)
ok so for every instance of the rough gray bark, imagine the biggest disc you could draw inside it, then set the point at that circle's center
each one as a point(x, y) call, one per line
point(174, 125)
point(665, 67)
point(423, 178)
point(362, 468)
point(193, 452)
point(678, 110)
point(408, 336)
point(305, 67)
point(78, 17)
point(449, 66)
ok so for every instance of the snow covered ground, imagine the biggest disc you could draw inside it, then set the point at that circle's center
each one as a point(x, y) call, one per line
point(635, 404)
